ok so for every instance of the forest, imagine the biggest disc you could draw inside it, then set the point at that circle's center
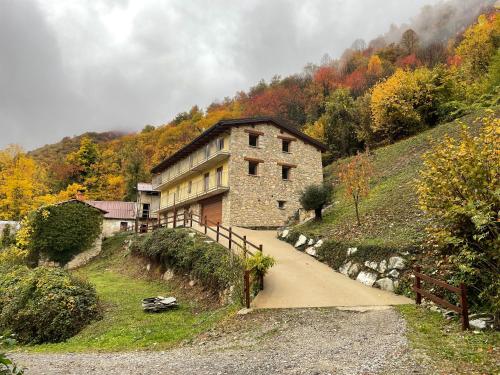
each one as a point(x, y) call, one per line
point(443, 65)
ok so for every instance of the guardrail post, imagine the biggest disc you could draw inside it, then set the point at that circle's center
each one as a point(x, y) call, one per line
point(464, 307)
point(184, 219)
point(191, 220)
point(175, 218)
point(218, 231)
point(230, 237)
point(245, 246)
point(246, 281)
point(206, 228)
point(418, 297)
point(260, 248)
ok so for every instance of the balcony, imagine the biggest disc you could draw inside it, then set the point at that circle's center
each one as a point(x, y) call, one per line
point(198, 161)
point(215, 184)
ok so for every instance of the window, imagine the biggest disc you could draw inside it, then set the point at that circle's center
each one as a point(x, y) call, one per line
point(252, 168)
point(123, 226)
point(220, 144)
point(281, 205)
point(206, 181)
point(145, 210)
point(285, 172)
point(253, 140)
point(207, 151)
point(219, 176)
point(285, 146)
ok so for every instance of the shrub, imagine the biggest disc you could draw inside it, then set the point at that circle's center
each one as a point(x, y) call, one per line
point(459, 191)
point(7, 366)
point(62, 231)
point(45, 304)
point(12, 256)
point(212, 264)
point(315, 197)
point(8, 238)
point(258, 264)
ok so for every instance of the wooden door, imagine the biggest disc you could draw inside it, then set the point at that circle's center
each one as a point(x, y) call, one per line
point(212, 209)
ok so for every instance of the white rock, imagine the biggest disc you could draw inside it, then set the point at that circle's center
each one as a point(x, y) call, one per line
point(345, 268)
point(396, 263)
point(386, 284)
point(285, 233)
point(351, 250)
point(311, 250)
point(168, 275)
point(382, 266)
point(394, 273)
point(353, 270)
point(478, 324)
point(148, 267)
point(311, 242)
point(301, 241)
point(191, 235)
point(367, 278)
point(318, 244)
point(372, 265)
point(192, 283)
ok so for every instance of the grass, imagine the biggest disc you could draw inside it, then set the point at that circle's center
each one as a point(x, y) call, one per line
point(389, 215)
point(450, 350)
point(124, 325)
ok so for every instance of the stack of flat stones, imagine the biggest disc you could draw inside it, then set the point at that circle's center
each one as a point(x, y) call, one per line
point(159, 304)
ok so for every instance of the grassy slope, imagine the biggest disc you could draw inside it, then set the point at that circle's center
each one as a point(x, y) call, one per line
point(390, 215)
point(124, 325)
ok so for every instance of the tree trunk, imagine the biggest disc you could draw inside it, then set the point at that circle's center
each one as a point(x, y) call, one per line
point(318, 214)
point(357, 211)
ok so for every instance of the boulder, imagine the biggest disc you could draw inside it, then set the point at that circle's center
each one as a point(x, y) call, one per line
point(382, 267)
point(478, 324)
point(353, 270)
point(396, 263)
point(372, 265)
point(318, 244)
point(168, 275)
point(351, 250)
point(393, 273)
point(311, 250)
point(367, 278)
point(345, 268)
point(301, 241)
point(148, 267)
point(310, 242)
point(285, 233)
point(386, 284)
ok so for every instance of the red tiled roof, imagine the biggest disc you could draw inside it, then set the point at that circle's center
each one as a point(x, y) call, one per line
point(116, 209)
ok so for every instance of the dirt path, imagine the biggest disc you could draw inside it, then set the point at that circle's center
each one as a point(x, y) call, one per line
point(290, 341)
point(299, 280)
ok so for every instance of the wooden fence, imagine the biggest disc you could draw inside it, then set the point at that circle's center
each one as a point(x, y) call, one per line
point(234, 240)
point(461, 291)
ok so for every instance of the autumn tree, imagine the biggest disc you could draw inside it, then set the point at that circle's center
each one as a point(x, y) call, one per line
point(409, 41)
point(458, 190)
point(356, 175)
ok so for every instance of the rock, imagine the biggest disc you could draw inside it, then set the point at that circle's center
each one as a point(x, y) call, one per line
point(393, 273)
point(311, 250)
point(301, 241)
point(208, 241)
point(285, 233)
point(192, 283)
point(244, 311)
point(345, 268)
point(367, 278)
point(478, 323)
point(311, 242)
point(191, 235)
point(396, 263)
point(318, 244)
point(382, 267)
point(158, 304)
point(168, 275)
point(148, 267)
point(351, 250)
point(353, 270)
point(372, 265)
point(386, 284)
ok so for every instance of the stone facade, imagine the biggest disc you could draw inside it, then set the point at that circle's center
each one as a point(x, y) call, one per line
point(252, 201)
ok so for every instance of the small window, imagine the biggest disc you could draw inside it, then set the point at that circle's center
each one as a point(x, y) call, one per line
point(206, 181)
point(285, 146)
point(252, 168)
point(253, 140)
point(145, 210)
point(281, 205)
point(219, 176)
point(285, 172)
point(123, 226)
point(220, 144)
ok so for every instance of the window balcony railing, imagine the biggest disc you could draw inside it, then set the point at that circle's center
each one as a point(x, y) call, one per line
point(198, 161)
point(212, 185)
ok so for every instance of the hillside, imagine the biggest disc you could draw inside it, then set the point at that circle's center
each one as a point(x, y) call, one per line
point(389, 215)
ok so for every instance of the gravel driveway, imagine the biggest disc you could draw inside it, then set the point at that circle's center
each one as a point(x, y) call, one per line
point(291, 341)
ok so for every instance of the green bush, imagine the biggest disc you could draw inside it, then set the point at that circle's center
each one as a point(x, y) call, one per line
point(45, 304)
point(7, 366)
point(8, 237)
point(12, 256)
point(62, 231)
point(258, 264)
point(212, 264)
point(315, 197)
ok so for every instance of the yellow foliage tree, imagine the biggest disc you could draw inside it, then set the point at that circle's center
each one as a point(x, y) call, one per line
point(375, 66)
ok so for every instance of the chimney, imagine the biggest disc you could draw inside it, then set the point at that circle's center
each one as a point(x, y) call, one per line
point(79, 195)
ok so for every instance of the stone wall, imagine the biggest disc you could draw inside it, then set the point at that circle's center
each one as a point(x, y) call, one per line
point(252, 201)
point(112, 226)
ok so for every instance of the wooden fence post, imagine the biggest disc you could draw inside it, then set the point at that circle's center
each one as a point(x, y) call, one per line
point(230, 237)
point(247, 288)
point(245, 246)
point(260, 248)
point(175, 218)
point(418, 298)
point(218, 231)
point(191, 220)
point(206, 228)
point(464, 307)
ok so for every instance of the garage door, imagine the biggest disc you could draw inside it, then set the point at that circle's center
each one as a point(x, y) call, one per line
point(212, 209)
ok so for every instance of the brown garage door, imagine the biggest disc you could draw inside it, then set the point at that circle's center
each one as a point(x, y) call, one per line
point(212, 209)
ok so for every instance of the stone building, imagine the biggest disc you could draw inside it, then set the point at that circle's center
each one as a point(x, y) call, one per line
point(243, 172)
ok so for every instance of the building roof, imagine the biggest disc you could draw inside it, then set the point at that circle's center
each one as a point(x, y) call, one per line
point(145, 186)
point(222, 126)
point(115, 209)
point(74, 200)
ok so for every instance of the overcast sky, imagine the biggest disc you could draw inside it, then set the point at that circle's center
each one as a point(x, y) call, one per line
point(70, 66)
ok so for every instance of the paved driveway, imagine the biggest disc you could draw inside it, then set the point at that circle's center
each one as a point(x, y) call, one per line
point(299, 280)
